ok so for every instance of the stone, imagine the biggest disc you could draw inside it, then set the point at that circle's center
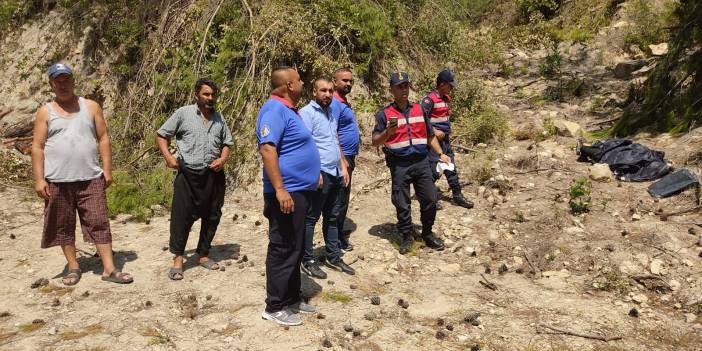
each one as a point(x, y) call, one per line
point(53, 331)
point(403, 303)
point(674, 285)
point(414, 329)
point(348, 328)
point(441, 334)
point(600, 172)
point(471, 317)
point(375, 300)
point(656, 266)
point(690, 317)
point(658, 49)
point(327, 343)
point(623, 70)
point(568, 128)
point(370, 316)
point(636, 217)
point(634, 313)
point(640, 298)
point(39, 283)
point(450, 268)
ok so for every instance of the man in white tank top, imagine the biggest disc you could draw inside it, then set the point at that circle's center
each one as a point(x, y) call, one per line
point(69, 132)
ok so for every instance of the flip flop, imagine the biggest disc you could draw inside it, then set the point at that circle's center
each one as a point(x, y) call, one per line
point(210, 264)
point(118, 277)
point(175, 273)
point(77, 273)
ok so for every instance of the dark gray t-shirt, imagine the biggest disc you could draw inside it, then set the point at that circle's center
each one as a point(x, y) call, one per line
point(199, 142)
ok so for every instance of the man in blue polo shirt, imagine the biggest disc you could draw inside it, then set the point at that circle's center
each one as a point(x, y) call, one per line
point(291, 169)
point(350, 139)
point(323, 123)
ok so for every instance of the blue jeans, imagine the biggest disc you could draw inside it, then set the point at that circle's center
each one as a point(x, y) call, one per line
point(325, 202)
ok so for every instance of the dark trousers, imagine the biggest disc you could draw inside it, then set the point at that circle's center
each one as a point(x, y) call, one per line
point(324, 202)
point(418, 174)
point(286, 234)
point(451, 176)
point(197, 194)
point(345, 198)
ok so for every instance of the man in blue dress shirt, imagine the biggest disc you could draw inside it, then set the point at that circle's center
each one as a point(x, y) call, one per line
point(322, 121)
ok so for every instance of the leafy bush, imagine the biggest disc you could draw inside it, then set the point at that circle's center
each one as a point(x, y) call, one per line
point(579, 192)
point(648, 24)
point(543, 8)
point(135, 194)
point(551, 65)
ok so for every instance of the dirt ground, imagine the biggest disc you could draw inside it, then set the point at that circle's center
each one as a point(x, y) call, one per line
point(520, 272)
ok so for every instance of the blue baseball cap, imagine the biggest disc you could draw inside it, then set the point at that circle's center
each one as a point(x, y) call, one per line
point(446, 76)
point(58, 69)
point(398, 78)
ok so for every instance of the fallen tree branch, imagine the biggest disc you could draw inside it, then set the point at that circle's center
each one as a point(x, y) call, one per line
point(16, 139)
point(664, 216)
point(517, 87)
point(578, 334)
point(606, 121)
point(463, 148)
point(526, 257)
point(487, 283)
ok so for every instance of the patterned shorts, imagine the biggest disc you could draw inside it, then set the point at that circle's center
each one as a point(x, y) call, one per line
point(89, 199)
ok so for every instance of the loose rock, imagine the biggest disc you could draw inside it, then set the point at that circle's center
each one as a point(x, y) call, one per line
point(39, 283)
point(370, 316)
point(348, 328)
point(471, 317)
point(326, 343)
point(503, 269)
point(440, 334)
point(375, 300)
point(403, 303)
point(634, 312)
point(56, 302)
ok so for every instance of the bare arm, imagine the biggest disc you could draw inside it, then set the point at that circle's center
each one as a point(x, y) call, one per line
point(269, 154)
point(162, 143)
point(434, 143)
point(218, 164)
point(41, 127)
point(103, 139)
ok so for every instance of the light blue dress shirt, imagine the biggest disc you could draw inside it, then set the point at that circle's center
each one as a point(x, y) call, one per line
point(323, 124)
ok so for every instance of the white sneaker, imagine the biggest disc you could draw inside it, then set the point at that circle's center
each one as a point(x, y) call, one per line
point(282, 317)
point(302, 307)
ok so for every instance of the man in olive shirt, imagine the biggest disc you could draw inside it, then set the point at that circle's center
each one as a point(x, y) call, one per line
point(204, 142)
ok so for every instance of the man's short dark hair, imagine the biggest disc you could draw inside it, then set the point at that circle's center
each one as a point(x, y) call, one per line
point(276, 82)
point(342, 70)
point(206, 81)
point(325, 79)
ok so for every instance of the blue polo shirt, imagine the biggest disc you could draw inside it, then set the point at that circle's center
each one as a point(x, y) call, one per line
point(349, 135)
point(279, 124)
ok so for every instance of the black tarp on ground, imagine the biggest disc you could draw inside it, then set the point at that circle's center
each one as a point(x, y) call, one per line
point(673, 183)
point(628, 161)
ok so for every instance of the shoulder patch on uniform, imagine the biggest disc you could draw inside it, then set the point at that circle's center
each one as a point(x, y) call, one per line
point(265, 130)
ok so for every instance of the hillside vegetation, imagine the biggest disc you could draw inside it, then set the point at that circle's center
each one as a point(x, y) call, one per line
point(149, 53)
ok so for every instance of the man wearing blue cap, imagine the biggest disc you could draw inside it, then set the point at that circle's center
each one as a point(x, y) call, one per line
point(437, 105)
point(405, 132)
point(69, 132)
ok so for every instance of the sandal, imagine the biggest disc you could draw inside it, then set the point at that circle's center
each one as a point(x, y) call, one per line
point(175, 273)
point(72, 273)
point(210, 264)
point(118, 277)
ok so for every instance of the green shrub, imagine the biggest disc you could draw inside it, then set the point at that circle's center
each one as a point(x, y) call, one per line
point(580, 200)
point(649, 24)
point(551, 65)
point(135, 193)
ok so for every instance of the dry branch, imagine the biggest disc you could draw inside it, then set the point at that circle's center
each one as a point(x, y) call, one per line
point(486, 283)
point(578, 334)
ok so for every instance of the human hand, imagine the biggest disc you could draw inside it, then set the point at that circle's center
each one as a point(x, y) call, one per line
point(320, 184)
point(172, 162)
point(445, 159)
point(217, 164)
point(42, 189)
point(347, 178)
point(287, 205)
point(107, 175)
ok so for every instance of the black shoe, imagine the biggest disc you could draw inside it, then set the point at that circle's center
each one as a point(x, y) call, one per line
point(311, 268)
point(406, 244)
point(433, 242)
point(439, 206)
point(340, 265)
point(459, 200)
point(345, 245)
